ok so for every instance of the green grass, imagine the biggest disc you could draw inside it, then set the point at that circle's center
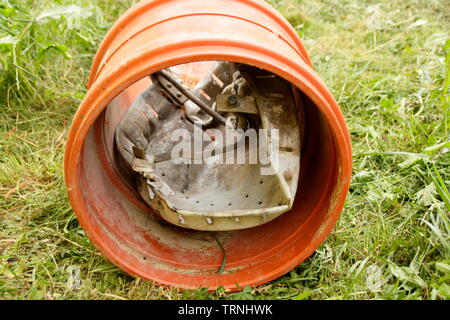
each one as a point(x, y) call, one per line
point(386, 62)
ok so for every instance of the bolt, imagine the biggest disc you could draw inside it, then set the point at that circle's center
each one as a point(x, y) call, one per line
point(233, 100)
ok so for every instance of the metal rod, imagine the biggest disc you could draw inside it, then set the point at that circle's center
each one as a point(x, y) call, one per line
point(192, 97)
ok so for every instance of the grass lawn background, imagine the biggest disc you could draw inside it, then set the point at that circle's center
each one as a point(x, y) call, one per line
point(387, 64)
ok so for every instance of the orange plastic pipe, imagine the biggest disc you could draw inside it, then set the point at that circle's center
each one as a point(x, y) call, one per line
point(157, 34)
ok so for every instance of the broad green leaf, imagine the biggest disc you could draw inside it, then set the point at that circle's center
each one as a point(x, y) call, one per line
point(410, 160)
point(407, 274)
point(427, 196)
point(363, 176)
point(69, 12)
point(57, 47)
point(443, 267)
point(437, 146)
point(303, 295)
point(444, 291)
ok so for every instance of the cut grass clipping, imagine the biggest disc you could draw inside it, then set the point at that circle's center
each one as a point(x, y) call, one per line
point(386, 62)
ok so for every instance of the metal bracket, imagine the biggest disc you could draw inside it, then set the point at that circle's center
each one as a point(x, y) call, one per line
point(176, 94)
point(235, 103)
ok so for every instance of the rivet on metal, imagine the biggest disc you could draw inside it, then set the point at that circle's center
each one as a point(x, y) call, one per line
point(233, 100)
